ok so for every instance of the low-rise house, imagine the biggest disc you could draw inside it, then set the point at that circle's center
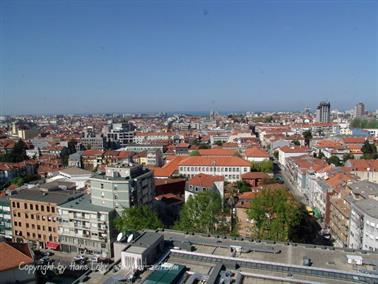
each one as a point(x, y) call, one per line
point(8, 171)
point(291, 151)
point(74, 160)
point(256, 154)
point(204, 182)
point(365, 169)
point(255, 179)
point(78, 176)
point(92, 159)
point(12, 256)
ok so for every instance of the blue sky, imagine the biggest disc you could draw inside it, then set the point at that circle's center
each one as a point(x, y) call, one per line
point(146, 56)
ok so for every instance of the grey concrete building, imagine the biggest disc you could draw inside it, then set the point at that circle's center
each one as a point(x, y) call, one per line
point(86, 228)
point(123, 187)
point(363, 221)
point(323, 112)
point(119, 134)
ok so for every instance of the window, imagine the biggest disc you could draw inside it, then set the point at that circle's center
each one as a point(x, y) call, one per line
point(48, 208)
point(36, 207)
point(26, 216)
point(42, 208)
point(32, 216)
point(31, 206)
point(25, 206)
point(53, 209)
point(13, 204)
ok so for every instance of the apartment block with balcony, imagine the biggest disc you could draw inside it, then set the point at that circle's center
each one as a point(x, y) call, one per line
point(86, 228)
point(5, 218)
point(123, 186)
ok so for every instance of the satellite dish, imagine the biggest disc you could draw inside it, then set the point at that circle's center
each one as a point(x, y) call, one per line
point(119, 237)
point(130, 238)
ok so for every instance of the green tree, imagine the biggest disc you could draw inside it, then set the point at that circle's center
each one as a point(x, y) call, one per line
point(369, 150)
point(201, 213)
point(195, 153)
point(203, 146)
point(18, 181)
point(296, 142)
point(307, 135)
point(137, 218)
point(334, 160)
point(219, 143)
point(275, 213)
point(242, 186)
point(18, 153)
point(347, 156)
point(263, 166)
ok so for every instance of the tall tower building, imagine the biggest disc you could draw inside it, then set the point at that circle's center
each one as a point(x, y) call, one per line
point(323, 112)
point(360, 110)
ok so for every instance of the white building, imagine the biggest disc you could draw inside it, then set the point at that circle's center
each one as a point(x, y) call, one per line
point(231, 168)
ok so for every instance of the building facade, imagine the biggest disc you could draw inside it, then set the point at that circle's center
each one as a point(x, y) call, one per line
point(85, 228)
point(123, 187)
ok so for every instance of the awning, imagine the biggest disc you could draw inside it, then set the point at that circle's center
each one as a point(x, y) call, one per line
point(52, 245)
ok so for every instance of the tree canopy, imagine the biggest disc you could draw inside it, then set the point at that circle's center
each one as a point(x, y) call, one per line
point(263, 166)
point(307, 135)
point(364, 123)
point(275, 213)
point(18, 153)
point(369, 150)
point(334, 160)
point(137, 218)
point(201, 213)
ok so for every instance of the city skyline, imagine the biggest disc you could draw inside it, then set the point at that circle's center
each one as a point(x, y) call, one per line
point(135, 57)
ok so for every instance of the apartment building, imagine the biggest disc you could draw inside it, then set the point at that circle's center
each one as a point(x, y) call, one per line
point(119, 134)
point(363, 223)
point(123, 186)
point(5, 218)
point(231, 168)
point(85, 228)
point(35, 216)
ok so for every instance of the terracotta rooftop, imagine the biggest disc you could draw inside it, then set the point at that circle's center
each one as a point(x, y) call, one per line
point(256, 152)
point(217, 152)
point(294, 149)
point(214, 161)
point(204, 180)
point(11, 257)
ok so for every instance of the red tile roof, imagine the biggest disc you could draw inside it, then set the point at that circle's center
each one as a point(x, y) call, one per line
point(93, 152)
point(169, 169)
point(363, 165)
point(217, 152)
point(354, 140)
point(11, 257)
point(214, 161)
point(256, 152)
point(294, 149)
point(255, 175)
point(204, 180)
